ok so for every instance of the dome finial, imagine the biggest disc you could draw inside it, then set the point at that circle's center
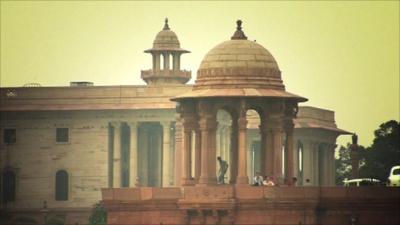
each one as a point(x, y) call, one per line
point(239, 34)
point(239, 25)
point(166, 27)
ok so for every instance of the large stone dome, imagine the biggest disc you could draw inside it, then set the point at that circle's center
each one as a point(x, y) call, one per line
point(239, 68)
point(239, 64)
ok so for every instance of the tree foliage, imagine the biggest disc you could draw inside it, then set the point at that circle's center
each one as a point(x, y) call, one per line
point(343, 163)
point(375, 160)
point(384, 153)
point(99, 215)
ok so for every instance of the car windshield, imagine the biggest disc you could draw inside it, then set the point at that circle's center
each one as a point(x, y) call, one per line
point(396, 171)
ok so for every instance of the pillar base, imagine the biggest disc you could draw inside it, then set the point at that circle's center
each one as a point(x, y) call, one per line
point(207, 185)
point(208, 181)
point(232, 182)
point(187, 182)
point(242, 181)
point(279, 180)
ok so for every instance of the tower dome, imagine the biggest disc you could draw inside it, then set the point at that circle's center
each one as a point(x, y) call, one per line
point(241, 68)
point(166, 40)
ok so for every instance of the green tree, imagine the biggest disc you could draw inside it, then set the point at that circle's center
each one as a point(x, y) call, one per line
point(99, 215)
point(375, 161)
point(384, 153)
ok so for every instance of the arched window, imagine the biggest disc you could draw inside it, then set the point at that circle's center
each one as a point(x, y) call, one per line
point(8, 186)
point(62, 185)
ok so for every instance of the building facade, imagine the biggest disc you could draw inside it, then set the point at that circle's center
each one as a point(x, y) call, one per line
point(61, 145)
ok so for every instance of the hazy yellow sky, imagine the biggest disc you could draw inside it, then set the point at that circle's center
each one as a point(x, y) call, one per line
point(343, 56)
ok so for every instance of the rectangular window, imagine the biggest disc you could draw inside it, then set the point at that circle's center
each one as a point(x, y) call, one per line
point(10, 136)
point(62, 135)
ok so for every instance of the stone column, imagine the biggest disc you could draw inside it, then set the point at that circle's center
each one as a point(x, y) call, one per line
point(188, 116)
point(228, 155)
point(208, 159)
point(321, 163)
point(133, 173)
point(186, 156)
point(269, 154)
point(176, 61)
point(234, 151)
point(308, 161)
point(296, 159)
point(250, 161)
point(218, 140)
point(166, 176)
point(166, 61)
point(144, 156)
point(212, 160)
point(331, 164)
point(242, 178)
point(326, 165)
point(315, 156)
point(277, 134)
point(197, 149)
point(263, 147)
point(290, 151)
point(156, 58)
point(117, 155)
point(178, 150)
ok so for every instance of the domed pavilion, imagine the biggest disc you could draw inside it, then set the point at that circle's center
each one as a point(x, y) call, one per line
point(237, 75)
point(166, 54)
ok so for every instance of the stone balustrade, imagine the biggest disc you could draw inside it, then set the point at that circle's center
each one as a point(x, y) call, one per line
point(211, 193)
point(245, 205)
point(175, 74)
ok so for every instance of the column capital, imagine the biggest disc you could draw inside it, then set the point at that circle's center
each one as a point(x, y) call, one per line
point(289, 126)
point(116, 124)
point(291, 110)
point(207, 124)
point(310, 143)
point(242, 123)
point(132, 123)
point(165, 123)
point(331, 146)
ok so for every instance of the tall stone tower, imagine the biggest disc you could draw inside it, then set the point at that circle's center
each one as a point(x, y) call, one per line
point(166, 53)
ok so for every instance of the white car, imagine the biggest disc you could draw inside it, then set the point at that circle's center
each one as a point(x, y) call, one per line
point(361, 182)
point(394, 177)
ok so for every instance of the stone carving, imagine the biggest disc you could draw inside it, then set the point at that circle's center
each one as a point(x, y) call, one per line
point(239, 34)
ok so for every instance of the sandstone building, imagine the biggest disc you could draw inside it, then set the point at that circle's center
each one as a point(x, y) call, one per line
point(61, 145)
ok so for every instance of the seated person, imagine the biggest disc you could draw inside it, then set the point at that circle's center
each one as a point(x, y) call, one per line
point(265, 180)
point(269, 181)
point(258, 180)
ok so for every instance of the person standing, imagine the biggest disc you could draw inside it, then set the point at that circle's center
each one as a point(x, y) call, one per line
point(223, 167)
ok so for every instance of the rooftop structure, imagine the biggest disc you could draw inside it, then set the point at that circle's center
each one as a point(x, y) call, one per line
point(165, 46)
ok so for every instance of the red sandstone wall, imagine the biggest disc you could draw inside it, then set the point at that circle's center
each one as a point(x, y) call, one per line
point(253, 206)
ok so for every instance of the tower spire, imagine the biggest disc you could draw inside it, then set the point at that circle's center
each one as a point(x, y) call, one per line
point(166, 27)
point(239, 34)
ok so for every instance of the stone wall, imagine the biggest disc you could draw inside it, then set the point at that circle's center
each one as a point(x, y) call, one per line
point(226, 204)
point(36, 157)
